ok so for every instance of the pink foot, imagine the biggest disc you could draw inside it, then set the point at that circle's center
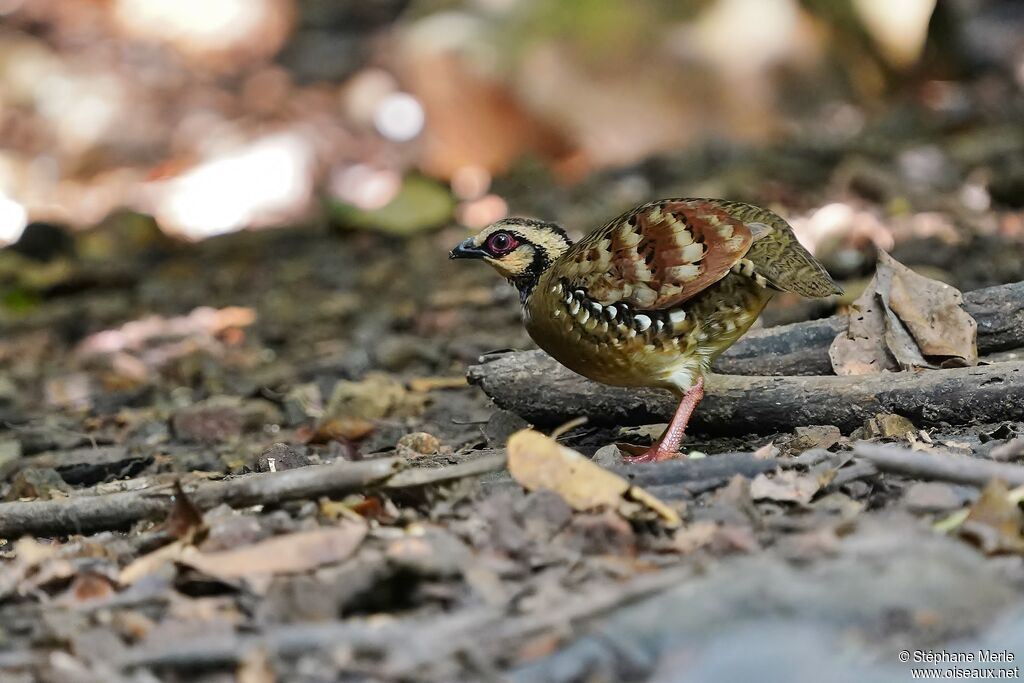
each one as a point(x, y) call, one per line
point(668, 445)
point(653, 454)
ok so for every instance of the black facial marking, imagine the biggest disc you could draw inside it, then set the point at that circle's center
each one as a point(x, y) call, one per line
point(527, 280)
point(543, 225)
point(512, 239)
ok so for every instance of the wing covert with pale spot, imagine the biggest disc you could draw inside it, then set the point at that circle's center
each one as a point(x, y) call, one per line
point(658, 255)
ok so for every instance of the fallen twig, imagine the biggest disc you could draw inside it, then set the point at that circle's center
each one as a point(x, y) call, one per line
point(82, 514)
point(421, 476)
point(88, 513)
point(536, 387)
point(927, 466)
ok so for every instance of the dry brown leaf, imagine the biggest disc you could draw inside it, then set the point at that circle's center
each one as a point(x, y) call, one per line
point(185, 520)
point(342, 429)
point(88, 587)
point(861, 349)
point(32, 560)
point(888, 426)
point(255, 667)
point(904, 320)
point(898, 339)
point(814, 436)
point(288, 554)
point(667, 514)
point(718, 538)
point(539, 462)
point(786, 486)
point(150, 562)
point(995, 523)
point(417, 444)
point(934, 315)
point(694, 536)
point(424, 385)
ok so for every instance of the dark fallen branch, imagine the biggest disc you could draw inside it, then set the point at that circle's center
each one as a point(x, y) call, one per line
point(802, 348)
point(684, 478)
point(83, 466)
point(720, 467)
point(533, 385)
point(932, 467)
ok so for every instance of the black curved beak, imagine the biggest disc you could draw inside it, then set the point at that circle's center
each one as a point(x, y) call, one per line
point(467, 249)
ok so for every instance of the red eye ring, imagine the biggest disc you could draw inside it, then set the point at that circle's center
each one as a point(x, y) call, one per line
point(501, 243)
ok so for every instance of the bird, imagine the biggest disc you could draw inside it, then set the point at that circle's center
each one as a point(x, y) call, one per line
point(654, 296)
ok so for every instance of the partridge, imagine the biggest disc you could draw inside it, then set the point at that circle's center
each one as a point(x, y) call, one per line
point(653, 297)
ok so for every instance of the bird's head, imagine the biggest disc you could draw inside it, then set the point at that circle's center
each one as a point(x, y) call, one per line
point(520, 249)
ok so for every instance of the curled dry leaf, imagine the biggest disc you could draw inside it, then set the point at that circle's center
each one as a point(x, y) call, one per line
point(933, 312)
point(418, 444)
point(255, 667)
point(539, 462)
point(694, 536)
point(861, 350)
point(151, 562)
point(185, 518)
point(769, 451)
point(904, 320)
point(424, 385)
point(888, 426)
point(717, 537)
point(995, 522)
point(89, 587)
point(287, 554)
point(786, 486)
point(813, 436)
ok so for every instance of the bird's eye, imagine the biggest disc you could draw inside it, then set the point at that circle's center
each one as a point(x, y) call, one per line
point(501, 243)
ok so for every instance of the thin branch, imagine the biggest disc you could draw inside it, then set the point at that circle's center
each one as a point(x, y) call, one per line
point(88, 513)
point(928, 466)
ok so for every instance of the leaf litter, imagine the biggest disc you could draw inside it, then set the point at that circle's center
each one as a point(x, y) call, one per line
point(196, 363)
point(903, 321)
point(475, 548)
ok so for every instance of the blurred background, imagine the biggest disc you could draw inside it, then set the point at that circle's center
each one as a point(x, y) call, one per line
point(218, 115)
point(282, 179)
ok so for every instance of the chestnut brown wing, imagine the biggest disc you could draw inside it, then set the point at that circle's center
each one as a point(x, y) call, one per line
point(657, 255)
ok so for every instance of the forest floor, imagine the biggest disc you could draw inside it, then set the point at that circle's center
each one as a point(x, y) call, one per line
point(159, 372)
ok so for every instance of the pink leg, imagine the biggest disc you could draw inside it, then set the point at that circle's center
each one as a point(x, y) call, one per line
point(668, 446)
